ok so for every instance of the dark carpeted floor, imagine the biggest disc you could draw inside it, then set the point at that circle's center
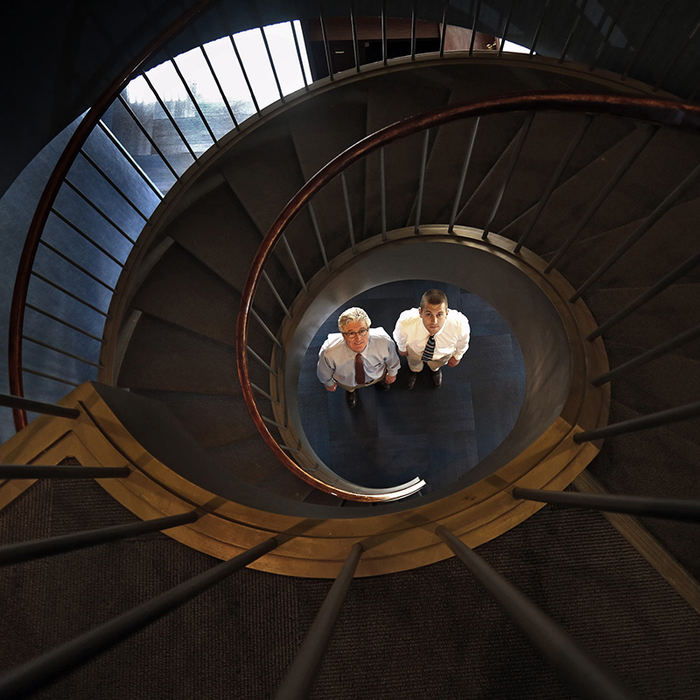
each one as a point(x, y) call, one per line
point(436, 434)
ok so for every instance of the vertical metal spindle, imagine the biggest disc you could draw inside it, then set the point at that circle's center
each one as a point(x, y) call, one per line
point(506, 27)
point(299, 677)
point(539, 27)
point(285, 243)
point(421, 181)
point(148, 137)
point(643, 227)
point(259, 359)
point(463, 173)
point(384, 44)
point(677, 55)
point(264, 326)
point(244, 73)
point(127, 156)
point(443, 29)
point(651, 354)
point(299, 56)
point(574, 27)
point(326, 45)
point(193, 99)
point(413, 31)
point(613, 23)
point(584, 676)
point(84, 235)
point(224, 99)
point(62, 321)
point(573, 144)
point(275, 293)
point(382, 191)
point(475, 20)
point(622, 168)
point(272, 63)
point(637, 52)
point(169, 116)
point(667, 280)
point(524, 130)
point(353, 31)
point(348, 211)
point(317, 233)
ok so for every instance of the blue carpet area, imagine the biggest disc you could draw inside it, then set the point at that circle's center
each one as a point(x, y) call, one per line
point(438, 434)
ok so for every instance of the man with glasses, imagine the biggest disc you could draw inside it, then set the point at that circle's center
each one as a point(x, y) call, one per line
point(357, 356)
point(431, 334)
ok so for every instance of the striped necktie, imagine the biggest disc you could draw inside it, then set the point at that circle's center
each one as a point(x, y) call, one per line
point(359, 370)
point(429, 349)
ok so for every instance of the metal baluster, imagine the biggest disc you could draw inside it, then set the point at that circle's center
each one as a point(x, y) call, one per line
point(272, 63)
point(443, 29)
point(353, 31)
point(63, 322)
point(317, 233)
point(651, 354)
point(522, 135)
point(190, 94)
point(127, 156)
point(348, 211)
point(299, 56)
point(664, 282)
point(25, 551)
point(76, 265)
point(577, 669)
point(326, 45)
point(255, 387)
point(265, 328)
point(421, 181)
point(244, 73)
point(36, 673)
point(52, 377)
point(573, 144)
point(475, 20)
point(67, 293)
point(169, 116)
point(539, 27)
point(148, 137)
point(266, 277)
point(678, 54)
point(637, 52)
point(261, 361)
point(61, 352)
point(285, 243)
point(51, 471)
point(300, 675)
point(574, 27)
point(641, 229)
point(651, 420)
point(84, 235)
point(606, 38)
point(50, 409)
point(413, 31)
point(219, 87)
point(506, 26)
point(92, 205)
point(643, 506)
point(622, 168)
point(384, 44)
point(463, 173)
point(382, 191)
point(271, 421)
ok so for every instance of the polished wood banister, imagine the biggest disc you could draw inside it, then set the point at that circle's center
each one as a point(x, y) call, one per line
point(53, 185)
point(662, 111)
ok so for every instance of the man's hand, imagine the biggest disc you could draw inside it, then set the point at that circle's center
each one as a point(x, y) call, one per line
point(452, 362)
point(389, 379)
point(404, 353)
point(331, 388)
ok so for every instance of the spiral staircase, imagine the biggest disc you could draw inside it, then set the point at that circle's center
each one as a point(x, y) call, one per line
point(171, 404)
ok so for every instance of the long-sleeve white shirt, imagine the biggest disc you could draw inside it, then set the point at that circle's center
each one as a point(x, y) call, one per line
point(336, 361)
point(452, 340)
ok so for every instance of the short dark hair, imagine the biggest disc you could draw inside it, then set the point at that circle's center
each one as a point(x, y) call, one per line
point(433, 296)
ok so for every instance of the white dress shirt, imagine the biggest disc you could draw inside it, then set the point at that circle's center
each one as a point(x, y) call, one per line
point(452, 340)
point(336, 361)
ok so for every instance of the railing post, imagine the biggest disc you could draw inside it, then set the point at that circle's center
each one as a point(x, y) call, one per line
point(575, 666)
point(297, 681)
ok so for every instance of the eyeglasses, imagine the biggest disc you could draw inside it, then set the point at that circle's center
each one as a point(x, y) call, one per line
point(356, 334)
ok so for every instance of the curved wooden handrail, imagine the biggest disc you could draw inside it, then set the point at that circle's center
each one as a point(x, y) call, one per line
point(662, 111)
point(52, 188)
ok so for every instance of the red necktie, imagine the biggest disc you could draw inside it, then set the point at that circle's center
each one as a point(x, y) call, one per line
point(359, 370)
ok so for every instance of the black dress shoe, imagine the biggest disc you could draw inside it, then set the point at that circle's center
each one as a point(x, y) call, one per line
point(351, 398)
point(437, 379)
point(412, 380)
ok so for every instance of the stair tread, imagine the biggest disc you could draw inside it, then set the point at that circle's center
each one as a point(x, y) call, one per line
point(250, 459)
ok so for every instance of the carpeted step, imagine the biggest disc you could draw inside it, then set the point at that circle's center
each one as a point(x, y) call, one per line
point(165, 357)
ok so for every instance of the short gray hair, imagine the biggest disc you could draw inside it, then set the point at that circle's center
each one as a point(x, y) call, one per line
point(354, 313)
